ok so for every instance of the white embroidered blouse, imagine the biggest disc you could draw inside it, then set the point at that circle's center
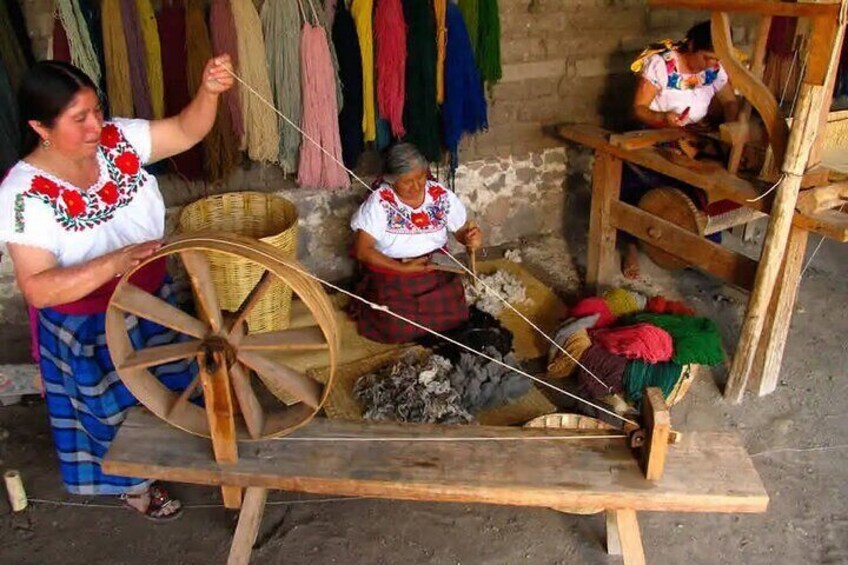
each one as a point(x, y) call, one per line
point(123, 207)
point(418, 231)
point(679, 91)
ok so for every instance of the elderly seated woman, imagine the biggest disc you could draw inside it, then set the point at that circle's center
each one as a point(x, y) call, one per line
point(404, 221)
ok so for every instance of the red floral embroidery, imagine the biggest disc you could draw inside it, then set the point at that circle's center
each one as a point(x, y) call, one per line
point(436, 191)
point(388, 196)
point(73, 202)
point(110, 136)
point(45, 186)
point(127, 163)
point(109, 193)
point(420, 219)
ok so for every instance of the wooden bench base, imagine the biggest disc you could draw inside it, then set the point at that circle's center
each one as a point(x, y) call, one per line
point(705, 472)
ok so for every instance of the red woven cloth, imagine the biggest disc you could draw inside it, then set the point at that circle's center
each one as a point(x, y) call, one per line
point(640, 341)
point(435, 300)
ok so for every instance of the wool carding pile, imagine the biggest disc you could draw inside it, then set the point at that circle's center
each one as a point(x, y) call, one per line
point(412, 390)
point(484, 384)
point(501, 282)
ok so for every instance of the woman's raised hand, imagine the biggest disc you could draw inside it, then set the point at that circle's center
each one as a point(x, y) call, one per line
point(673, 119)
point(129, 257)
point(217, 77)
point(474, 238)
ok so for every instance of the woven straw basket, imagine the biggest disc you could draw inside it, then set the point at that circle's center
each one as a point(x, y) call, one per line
point(264, 217)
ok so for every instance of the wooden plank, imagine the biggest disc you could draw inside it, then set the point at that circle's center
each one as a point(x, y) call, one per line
point(657, 420)
point(702, 253)
point(716, 181)
point(250, 301)
point(829, 223)
point(823, 37)
point(200, 273)
point(296, 339)
point(647, 138)
point(277, 375)
point(602, 262)
point(251, 409)
point(153, 356)
point(764, 7)
point(218, 398)
point(822, 198)
point(776, 329)
point(613, 539)
point(705, 472)
point(250, 518)
point(134, 300)
point(631, 540)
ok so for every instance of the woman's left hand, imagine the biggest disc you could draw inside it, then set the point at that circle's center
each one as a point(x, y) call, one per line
point(217, 77)
point(473, 238)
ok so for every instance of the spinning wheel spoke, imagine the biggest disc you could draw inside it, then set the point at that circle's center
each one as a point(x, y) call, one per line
point(251, 300)
point(152, 356)
point(309, 338)
point(200, 273)
point(134, 300)
point(182, 402)
point(254, 415)
point(276, 375)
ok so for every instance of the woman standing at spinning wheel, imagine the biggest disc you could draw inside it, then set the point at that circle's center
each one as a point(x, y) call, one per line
point(78, 211)
point(404, 221)
point(677, 85)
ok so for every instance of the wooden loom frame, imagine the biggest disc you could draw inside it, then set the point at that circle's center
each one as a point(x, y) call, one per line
point(802, 203)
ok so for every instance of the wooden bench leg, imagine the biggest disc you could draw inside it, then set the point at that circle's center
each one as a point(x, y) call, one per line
point(250, 517)
point(766, 371)
point(602, 259)
point(623, 537)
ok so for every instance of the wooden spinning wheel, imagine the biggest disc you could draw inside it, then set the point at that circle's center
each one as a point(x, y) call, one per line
point(236, 407)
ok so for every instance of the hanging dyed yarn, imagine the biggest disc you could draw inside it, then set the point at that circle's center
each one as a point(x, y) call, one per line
point(221, 152)
point(12, 55)
point(440, 11)
point(261, 131)
point(605, 366)
point(137, 57)
point(639, 375)
point(79, 41)
point(118, 86)
point(470, 13)
point(390, 45)
point(330, 8)
point(464, 107)
point(171, 20)
point(622, 302)
point(223, 30)
point(60, 48)
point(590, 306)
point(489, 41)
point(363, 12)
point(696, 340)
point(152, 57)
point(420, 112)
point(319, 18)
point(282, 22)
point(90, 10)
point(320, 114)
point(639, 341)
point(350, 71)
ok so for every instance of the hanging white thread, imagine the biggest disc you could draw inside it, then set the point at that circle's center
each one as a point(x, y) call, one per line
point(450, 439)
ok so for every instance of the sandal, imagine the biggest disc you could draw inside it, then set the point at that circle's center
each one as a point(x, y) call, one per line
point(161, 508)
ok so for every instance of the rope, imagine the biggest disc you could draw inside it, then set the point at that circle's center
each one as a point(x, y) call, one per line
point(447, 253)
point(79, 39)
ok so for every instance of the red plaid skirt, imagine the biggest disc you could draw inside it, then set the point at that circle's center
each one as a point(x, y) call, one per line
point(435, 300)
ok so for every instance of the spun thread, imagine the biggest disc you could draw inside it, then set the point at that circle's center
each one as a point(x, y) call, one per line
point(593, 305)
point(622, 302)
point(696, 340)
point(79, 39)
point(576, 344)
point(118, 84)
point(363, 13)
point(390, 45)
point(420, 112)
point(489, 41)
point(222, 28)
point(640, 341)
point(639, 375)
point(605, 366)
point(138, 60)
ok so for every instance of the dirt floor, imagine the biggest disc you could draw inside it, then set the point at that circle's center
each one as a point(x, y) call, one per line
point(796, 437)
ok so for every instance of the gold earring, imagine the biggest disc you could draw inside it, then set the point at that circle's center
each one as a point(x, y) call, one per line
point(45, 143)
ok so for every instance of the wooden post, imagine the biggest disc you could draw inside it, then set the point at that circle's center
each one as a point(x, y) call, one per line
point(606, 187)
point(613, 541)
point(657, 427)
point(776, 329)
point(248, 526)
point(830, 83)
point(623, 537)
point(220, 408)
point(802, 137)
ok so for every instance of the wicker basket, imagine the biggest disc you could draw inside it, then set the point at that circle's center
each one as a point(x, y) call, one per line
point(264, 217)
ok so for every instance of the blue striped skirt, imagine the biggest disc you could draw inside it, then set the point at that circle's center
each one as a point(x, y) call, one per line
point(86, 399)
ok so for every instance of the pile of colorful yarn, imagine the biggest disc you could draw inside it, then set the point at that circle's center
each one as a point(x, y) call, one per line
point(624, 342)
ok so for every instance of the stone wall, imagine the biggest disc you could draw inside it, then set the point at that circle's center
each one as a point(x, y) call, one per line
point(563, 61)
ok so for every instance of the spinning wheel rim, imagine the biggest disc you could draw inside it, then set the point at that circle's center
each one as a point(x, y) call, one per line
point(132, 366)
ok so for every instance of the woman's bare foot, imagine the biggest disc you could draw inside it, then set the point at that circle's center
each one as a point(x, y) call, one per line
point(630, 263)
point(154, 504)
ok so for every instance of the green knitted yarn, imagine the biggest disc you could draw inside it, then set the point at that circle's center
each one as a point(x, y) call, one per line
point(639, 375)
point(489, 41)
point(470, 13)
point(696, 340)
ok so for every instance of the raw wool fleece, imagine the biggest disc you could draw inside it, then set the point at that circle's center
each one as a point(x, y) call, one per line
point(412, 390)
point(503, 283)
point(484, 384)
